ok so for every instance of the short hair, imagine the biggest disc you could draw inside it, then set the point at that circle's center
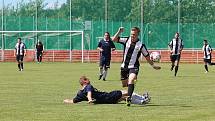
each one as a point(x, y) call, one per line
point(205, 40)
point(19, 38)
point(136, 29)
point(107, 33)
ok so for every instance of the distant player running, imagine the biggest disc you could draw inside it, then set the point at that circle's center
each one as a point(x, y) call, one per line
point(19, 53)
point(175, 47)
point(105, 46)
point(207, 52)
point(92, 95)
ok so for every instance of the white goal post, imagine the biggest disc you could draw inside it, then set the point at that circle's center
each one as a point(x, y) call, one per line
point(35, 34)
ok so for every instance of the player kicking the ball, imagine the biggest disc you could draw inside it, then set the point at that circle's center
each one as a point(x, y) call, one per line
point(133, 48)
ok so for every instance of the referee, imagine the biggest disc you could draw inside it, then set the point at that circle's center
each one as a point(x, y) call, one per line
point(175, 46)
point(39, 51)
point(19, 53)
point(207, 52)
point(133, 48)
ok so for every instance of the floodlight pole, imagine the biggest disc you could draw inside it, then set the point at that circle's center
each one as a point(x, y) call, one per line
point(82, 46)
point(70, 37)
point(179, 11)
point(2, 46)
point(142, 19)
point(36, 21)
point(106, 14)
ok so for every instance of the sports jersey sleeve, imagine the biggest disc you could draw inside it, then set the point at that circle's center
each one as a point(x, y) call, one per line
point(89, 88)
point(99, 44)
point(144, 51)
point(210, 48)
point(24, 46)
point(78, 97)
point(123, 40)
point(170, 44)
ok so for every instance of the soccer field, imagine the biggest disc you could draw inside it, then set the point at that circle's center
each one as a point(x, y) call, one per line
point(37, 93)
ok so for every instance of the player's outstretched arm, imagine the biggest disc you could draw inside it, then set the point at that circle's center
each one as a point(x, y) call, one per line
point(115, 37)
point(89, 97)
point(68, 101)
point(152, 63)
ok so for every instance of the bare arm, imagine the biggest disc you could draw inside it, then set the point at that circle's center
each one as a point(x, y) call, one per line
point(152, 63)
point(68, 101)
point(100, 49)
point(14, 52)
point(115, 37)
point(89, 97)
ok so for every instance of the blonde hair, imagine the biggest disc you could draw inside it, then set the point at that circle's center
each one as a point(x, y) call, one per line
point(84, 80)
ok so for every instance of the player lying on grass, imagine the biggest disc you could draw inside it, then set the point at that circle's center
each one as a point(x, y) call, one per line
point(92, 95)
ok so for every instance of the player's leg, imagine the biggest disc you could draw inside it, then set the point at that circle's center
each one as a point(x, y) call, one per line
point(106, 67)
point(206, 65)
point(172, 62)
point(210, 63)
point(101, 64)
point(131, 78)
point(124, 77)
point(18, 63)
point(140, 99)
point(136, 98)
point(177, 63)
point(38, 57)
point(41, 56)
point(21, 62)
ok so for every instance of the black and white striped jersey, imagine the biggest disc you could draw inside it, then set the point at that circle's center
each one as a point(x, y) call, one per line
point(132, 52)
point(20, 47)
point(176, 45)
point(207, 51)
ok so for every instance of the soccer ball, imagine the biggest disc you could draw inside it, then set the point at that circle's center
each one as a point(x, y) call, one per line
point(155, 56)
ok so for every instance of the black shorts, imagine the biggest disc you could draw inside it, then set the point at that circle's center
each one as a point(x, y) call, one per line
point(104, 62)
point(173, 58)
point(110, 98)
point(207, 61)
point(125, 72)
point(39, 53)
point(19, 57)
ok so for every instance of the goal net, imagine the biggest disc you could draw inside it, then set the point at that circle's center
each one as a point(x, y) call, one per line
point(58, 44)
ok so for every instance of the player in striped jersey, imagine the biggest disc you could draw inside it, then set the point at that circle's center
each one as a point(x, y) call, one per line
point(175, 47)
point(133, 48)
point(19, 53)
point(207, 52)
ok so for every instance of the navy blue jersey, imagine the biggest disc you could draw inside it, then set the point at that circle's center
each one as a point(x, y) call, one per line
point(106, 46)
point(100, 97)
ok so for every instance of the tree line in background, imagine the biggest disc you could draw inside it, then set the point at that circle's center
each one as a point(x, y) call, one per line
point(154, 11)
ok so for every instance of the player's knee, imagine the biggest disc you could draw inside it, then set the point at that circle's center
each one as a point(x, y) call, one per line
point(124, 83)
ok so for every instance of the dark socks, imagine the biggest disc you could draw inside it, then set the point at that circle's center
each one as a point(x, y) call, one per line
point(130, 89)
point(172, 67)
point(206, 67)
point(176, 70)
point(40, 59)
point(212, 63)
point(19, 67)
point(22, 65)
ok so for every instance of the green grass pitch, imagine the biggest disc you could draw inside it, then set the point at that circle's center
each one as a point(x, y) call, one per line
point(36, 94)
